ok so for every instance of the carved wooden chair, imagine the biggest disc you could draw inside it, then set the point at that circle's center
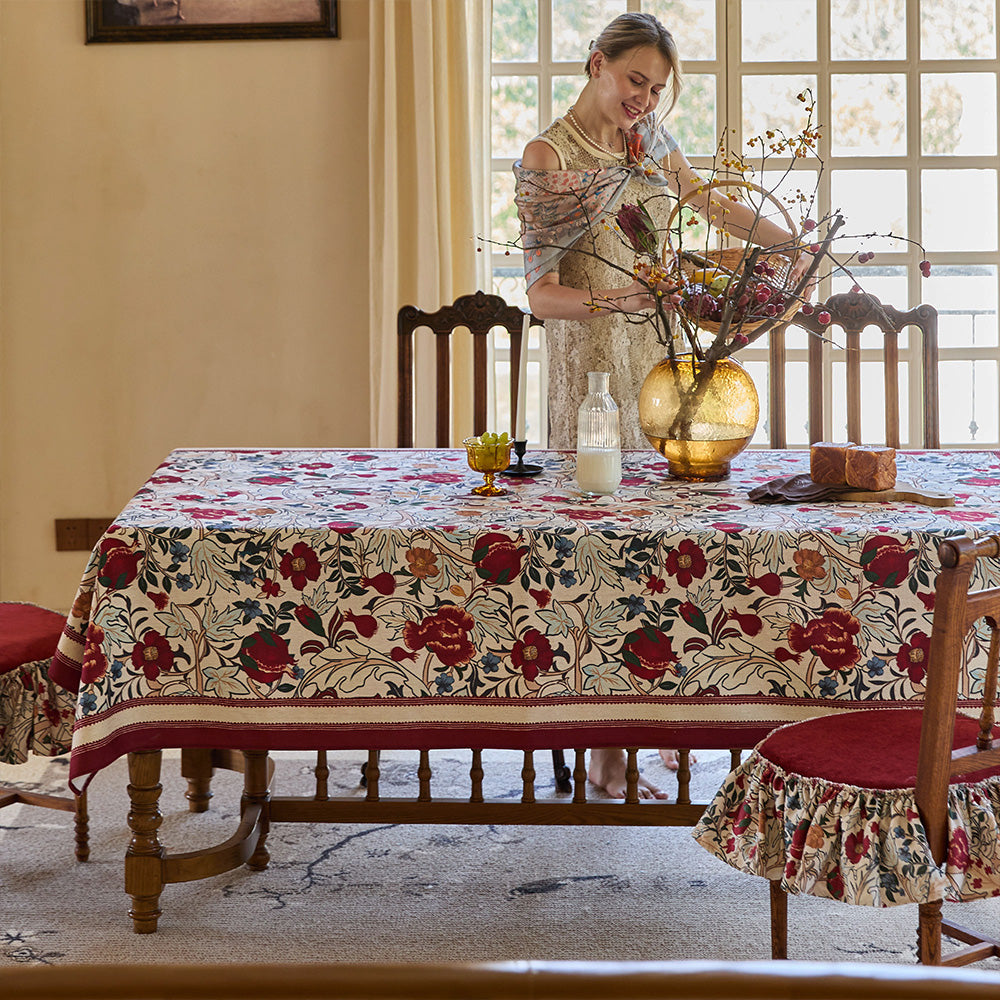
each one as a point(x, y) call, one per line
point(36, 715)
point(850, 314)
point(479, 314)
point(886, 806)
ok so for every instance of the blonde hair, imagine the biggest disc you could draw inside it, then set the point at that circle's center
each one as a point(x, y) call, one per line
point(635, 30)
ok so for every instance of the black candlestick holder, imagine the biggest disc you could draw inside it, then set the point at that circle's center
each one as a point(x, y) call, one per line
point(521, 468)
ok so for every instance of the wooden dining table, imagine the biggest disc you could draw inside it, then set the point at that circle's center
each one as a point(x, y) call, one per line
point(248, 600)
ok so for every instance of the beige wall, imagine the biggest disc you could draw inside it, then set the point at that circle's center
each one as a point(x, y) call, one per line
point(183, 261)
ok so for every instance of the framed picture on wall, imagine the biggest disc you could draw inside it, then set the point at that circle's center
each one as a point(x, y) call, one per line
point(177, 20)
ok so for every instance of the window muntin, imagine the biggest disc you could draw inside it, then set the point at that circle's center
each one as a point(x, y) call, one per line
point(907, 90)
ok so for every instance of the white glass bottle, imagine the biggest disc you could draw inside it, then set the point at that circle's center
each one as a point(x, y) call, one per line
point(598, 439)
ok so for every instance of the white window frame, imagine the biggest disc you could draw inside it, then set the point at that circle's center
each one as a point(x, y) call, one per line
point(730, 71)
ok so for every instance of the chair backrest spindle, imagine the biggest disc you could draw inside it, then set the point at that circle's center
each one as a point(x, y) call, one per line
point(424, 776)
point(479, 314)
point(372, 774)
point(476, 776)
point(528, 777)
point(631, 776)
point(987, 717)
point(852, 313)
point(321, 773)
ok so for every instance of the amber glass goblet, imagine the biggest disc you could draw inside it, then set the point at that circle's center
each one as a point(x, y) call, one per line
point(489, 459)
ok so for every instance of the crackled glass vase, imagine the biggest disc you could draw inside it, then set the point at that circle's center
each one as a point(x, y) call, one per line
point(698, 415)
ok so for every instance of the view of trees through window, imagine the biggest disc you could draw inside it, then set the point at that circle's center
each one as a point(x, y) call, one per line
point(906, 94)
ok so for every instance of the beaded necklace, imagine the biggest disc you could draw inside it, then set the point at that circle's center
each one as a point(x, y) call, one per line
point(603, 147)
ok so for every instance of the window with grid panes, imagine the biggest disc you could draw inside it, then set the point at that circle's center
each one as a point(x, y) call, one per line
point(907, 94)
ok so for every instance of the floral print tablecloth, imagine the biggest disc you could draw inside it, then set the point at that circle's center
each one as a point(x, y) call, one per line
point(297, 598)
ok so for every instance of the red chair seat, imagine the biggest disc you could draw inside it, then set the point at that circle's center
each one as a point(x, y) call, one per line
point(27, 633)
point(868, 749)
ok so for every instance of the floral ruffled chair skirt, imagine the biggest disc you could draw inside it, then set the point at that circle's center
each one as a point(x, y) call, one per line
point(36, 715)
point(827, 807)
point(855, 837)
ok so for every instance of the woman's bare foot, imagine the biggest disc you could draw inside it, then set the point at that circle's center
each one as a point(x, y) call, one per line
point(669, 758)
point(607, 771)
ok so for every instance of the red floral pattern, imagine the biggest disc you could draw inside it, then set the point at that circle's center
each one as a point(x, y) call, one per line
point(913, 655)
point(300, 566)
point(886, 561)
point(265, 655)
point(831, 638)
point(648, 653)
point(498, 558)
point(531, 654)
point(152, 655)
point(687, 563)
point(446, 634)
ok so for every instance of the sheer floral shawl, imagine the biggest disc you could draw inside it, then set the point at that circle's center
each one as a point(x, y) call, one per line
point(557, 207)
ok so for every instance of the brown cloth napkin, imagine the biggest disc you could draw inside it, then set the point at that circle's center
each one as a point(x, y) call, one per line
point(794, 489)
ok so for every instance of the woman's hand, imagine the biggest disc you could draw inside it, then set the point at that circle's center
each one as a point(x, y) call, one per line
point(802, 264)
point(550, 300)
point(641, 296)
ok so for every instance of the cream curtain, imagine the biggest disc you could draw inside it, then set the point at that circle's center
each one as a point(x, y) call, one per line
point(428, 150)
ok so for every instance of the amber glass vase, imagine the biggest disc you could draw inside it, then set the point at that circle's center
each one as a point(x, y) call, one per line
point(698, 415)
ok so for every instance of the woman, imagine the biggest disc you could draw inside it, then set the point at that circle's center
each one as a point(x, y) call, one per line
point(608, 150)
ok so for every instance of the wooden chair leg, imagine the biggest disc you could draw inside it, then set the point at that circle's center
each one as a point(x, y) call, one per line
point(561, 771)
point(64, 803)
point(81, 827)
point(929, 934)
point(779, 920)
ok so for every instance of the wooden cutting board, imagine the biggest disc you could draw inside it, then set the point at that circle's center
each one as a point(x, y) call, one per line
point(900, 493)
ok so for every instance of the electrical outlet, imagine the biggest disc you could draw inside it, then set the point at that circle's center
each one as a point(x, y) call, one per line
point(80, 534)
point(72, 534)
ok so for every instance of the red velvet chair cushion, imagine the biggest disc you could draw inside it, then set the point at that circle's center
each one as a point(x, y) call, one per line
point(870, 749)
point(27, 633)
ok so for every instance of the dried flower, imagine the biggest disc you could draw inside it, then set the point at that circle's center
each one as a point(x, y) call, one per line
point(639, 229)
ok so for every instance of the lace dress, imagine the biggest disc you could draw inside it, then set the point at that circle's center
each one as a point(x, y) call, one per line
point(609, 342)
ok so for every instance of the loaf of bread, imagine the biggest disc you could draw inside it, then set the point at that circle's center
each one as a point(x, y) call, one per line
point(828, 463)
point(871, 468)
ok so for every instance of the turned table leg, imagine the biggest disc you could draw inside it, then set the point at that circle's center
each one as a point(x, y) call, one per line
point(256, 792)
point(144, 857)
point(196, 766)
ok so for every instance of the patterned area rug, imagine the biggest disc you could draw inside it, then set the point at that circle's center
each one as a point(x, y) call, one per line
point(420, 893)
